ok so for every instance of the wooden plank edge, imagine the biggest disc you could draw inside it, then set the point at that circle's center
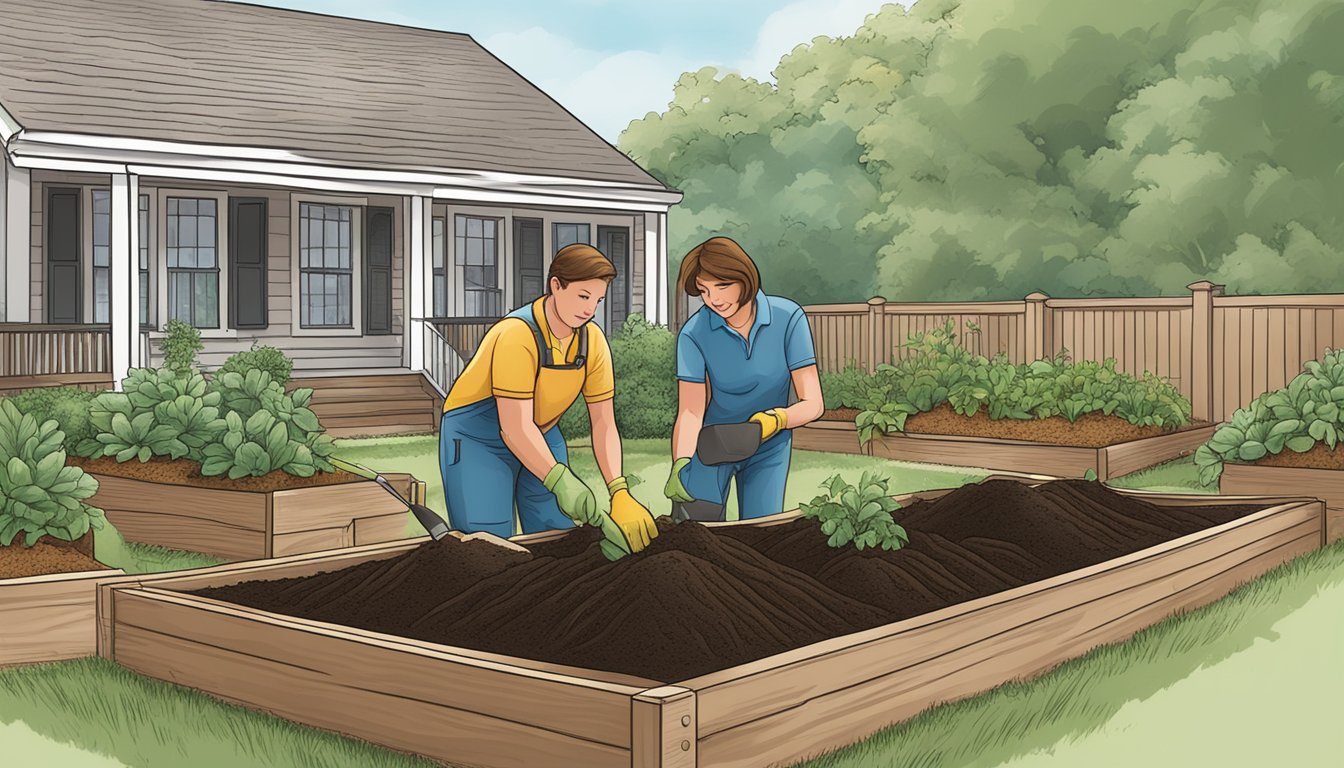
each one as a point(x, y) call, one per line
point(663, 728)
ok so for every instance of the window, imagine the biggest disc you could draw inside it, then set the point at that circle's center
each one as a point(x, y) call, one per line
point(102, 252)
point(568, 234)
point(193, 261)
point(477, 242)
point(143, 225)
point(440, 275)
point(326, 265)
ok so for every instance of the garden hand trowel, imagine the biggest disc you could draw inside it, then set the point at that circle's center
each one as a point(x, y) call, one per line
point(432, 523)
point(728, 443)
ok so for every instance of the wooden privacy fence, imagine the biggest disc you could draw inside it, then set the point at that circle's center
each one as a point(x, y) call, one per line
point(1219, 351)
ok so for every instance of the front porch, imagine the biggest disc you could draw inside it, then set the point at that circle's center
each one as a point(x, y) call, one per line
point(378, 298)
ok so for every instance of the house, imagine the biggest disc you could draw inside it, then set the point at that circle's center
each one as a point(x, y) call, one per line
point(367, 197)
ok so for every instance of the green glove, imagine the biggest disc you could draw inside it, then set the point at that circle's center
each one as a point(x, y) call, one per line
point(674, 490)
point(574, 498)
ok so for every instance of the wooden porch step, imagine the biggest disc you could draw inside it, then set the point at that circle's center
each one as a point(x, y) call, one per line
point(379, 407)
point(365, 394)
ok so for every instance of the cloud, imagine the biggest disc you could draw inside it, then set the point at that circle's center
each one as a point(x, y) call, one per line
point(798, 23)
point(608, 90)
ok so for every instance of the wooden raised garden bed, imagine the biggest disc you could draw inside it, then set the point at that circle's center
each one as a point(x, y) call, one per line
point(1324, 484)
point(250, 524)
point(479, 708)
point(1005, 454)
point(51, 617)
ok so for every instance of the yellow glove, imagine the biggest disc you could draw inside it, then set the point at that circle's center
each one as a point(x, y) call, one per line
point(771, 421)
point(630, 516)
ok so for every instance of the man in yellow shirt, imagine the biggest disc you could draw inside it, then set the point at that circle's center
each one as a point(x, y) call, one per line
point(499, 443)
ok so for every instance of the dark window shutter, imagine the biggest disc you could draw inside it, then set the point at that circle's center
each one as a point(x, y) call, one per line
point(64, 283)
point(378, 271)
point(247, 262)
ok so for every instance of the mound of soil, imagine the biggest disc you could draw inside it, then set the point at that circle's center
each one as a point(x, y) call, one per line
point(160, 469)
point(1091, 430)
point(47, 556)
point(1321, 456)
point(701, 599)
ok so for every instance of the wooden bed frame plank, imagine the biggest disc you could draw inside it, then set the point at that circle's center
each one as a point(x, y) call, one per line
point(323, 701)
point(1325, 484)
point(49, 617)
point(567, 705)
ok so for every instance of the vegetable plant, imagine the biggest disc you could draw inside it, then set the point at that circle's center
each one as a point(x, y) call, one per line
point(257, 446)
point(262, 358)
point(858, 514)
point(69, 406)
point(940, 371)
point(158, 413)
point(1310, 410)
point(181, 343)
point(39, 494)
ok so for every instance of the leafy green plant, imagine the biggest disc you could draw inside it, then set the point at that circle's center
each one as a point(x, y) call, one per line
point(263, 358)
point(159, 412)
point(643, 358)
point(938, 370)
point(181, 344)
point(257, 446)
point(1310, 410)
point(858, 514)
point(844, 389)
point(39, 494)
point(69, 406)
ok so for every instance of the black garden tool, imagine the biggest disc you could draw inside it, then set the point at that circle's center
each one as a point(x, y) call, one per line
point(728, 443)
point(697, 510)
point(432, 523)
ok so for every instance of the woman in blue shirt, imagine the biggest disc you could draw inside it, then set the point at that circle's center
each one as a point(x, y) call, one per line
point(737, 358)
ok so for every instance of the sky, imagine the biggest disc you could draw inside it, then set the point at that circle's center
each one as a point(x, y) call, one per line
point(612, 61)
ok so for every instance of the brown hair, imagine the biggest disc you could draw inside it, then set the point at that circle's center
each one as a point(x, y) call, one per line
point(723, 259)
point(578, 262)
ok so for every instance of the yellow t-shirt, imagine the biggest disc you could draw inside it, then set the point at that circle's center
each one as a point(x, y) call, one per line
point(506, 363)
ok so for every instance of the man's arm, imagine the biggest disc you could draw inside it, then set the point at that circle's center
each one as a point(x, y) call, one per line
point(606, 438)
point(523, 437)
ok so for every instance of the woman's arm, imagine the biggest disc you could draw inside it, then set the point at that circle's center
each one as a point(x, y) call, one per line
point(807, 383)
point(606, 438)
point(523, 437)
point(692, 397)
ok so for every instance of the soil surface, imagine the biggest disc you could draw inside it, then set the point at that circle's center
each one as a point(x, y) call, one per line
point(186, 472)
point(1319, 457)
point(702, 599)
point(1091, 430)
point(47, 556)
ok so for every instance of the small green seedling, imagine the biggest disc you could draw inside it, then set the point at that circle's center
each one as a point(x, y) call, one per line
point(860, 514)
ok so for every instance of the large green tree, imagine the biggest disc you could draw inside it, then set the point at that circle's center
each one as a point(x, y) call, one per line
point(984, 149)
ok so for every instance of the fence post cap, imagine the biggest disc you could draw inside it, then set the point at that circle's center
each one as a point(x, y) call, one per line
point(1205, 285)
point(876, 301)
point(1037, 296)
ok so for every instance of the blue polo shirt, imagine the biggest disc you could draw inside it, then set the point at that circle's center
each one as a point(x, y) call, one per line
point(745, 375)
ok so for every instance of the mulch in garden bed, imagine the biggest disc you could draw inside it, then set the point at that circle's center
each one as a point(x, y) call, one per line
point(160, 469)
point(46, 556)
point(1091, 430)
point(1321, 456)
point(701, 599)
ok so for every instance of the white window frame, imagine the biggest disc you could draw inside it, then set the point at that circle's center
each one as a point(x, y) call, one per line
point(360, 204)
point(160, 266)
point(455, 274)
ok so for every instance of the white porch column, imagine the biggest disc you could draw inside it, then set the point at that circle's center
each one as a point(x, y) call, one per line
point(17, 213)
point(124, 284)
point(656, 278)
point(416, 264)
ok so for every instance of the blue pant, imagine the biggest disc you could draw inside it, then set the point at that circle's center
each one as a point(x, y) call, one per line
point(482, 479)
point(760, 479)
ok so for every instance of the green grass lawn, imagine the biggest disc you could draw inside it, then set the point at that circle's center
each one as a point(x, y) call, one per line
point(1248, 680)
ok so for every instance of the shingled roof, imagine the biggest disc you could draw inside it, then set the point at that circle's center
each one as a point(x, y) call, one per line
point(329, 90)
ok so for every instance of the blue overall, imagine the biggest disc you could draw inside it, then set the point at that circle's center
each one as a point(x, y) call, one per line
point(482, 479)
point(745, 376)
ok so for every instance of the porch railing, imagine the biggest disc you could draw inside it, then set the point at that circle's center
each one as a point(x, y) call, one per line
point(463, 334)
point(442, 363)
point(32, 349)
